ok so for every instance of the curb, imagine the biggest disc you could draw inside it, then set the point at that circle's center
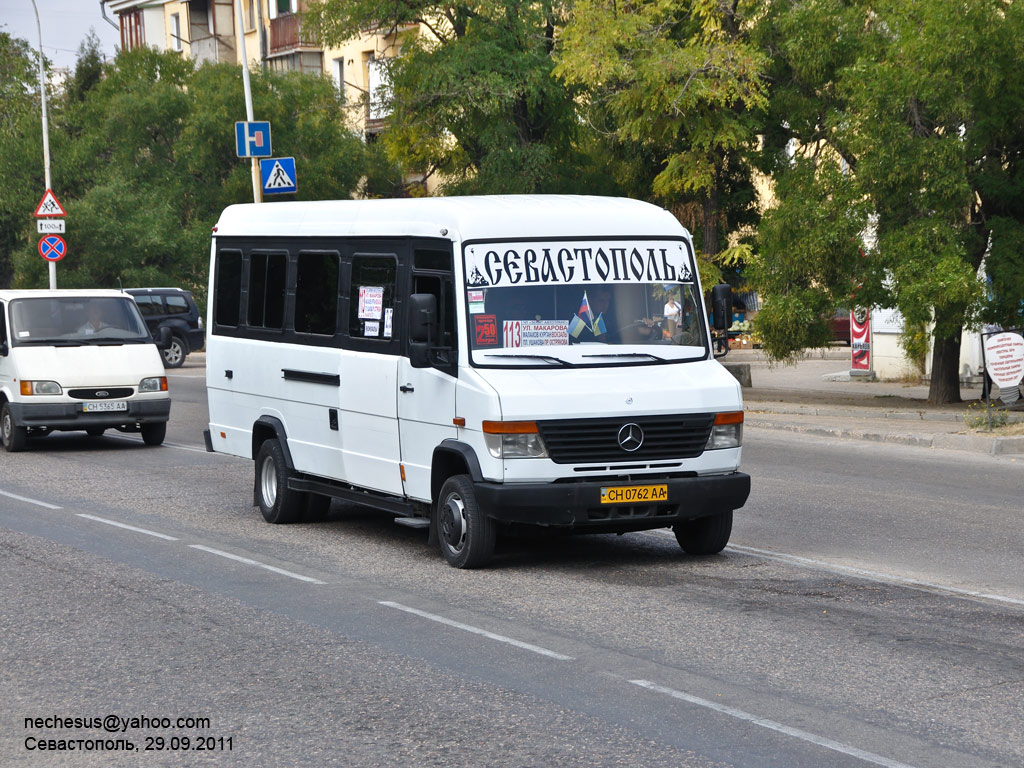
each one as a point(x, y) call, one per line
point(993, 446)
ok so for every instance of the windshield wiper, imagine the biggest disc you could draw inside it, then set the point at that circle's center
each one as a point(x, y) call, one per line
point(631, 354)
point(52, 342)
point(117, 340)
point(545, 358)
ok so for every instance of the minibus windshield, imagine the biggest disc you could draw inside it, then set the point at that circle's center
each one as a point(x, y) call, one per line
point(76, 321)
point(583, 303)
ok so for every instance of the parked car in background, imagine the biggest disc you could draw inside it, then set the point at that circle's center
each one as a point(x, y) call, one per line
point(172, 308)
point(841, 326)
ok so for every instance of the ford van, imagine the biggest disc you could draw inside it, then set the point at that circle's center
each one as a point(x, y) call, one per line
point(472, 365)
point(78, 360)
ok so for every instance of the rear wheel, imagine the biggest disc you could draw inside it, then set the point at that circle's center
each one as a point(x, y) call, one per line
point(278, 503)
point(15, 438)
point(154, 433)
point(705, 535)
point(174, 355)
point(466, 535)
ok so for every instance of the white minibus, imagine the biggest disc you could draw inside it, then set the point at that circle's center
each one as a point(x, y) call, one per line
point(474, 364)
point(78, 360)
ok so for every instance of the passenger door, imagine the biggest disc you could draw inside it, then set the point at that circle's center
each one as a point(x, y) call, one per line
point(426, 397)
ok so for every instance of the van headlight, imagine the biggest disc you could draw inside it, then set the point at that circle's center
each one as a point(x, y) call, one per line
point(727, 431)
point(514, 440)
point(40, 388)
point(153, 384)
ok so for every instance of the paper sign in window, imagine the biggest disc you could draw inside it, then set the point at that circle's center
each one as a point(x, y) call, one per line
point(371, 302)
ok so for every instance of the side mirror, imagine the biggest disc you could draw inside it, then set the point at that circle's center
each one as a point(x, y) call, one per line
point(163, 338)
point(3, 348)
point(721, 306)
point(422, 317)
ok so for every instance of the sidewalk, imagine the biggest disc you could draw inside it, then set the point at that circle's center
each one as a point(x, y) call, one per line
point(815, 397)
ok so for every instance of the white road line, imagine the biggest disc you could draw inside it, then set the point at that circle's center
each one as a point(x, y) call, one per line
point(127, 527)
point(258, 564)
point(878, 576)
point(478, 631)
point(771, 725)
point(29, 501)
point(179, 446)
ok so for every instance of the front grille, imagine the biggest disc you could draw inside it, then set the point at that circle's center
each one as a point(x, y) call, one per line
point(675, 436)
point(101, 393)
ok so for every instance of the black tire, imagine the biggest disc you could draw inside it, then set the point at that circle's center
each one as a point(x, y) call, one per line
point(278, 503)
point(174, 355)
point(154, 433)
point(317, 507)
point(465, 534)
point(95, 431)
point(15, 438)
point(705, 535)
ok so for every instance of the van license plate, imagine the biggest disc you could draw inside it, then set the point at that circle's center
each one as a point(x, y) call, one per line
point(109, 405)
point(634, 494)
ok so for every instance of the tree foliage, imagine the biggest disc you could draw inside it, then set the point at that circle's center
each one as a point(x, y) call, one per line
point(144, 161)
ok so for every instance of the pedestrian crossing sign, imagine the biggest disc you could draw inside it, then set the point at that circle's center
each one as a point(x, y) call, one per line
point(278, 175)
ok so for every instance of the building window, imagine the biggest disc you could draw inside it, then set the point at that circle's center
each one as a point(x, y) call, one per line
point(250, 16)
point(338, 71)
point(307, 62)
point(132, 31)
point(176, 31)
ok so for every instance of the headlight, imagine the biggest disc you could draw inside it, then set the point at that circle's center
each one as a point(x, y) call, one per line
point(154, 384)
point(727, 431)
point(40, 388)
point(513, 440)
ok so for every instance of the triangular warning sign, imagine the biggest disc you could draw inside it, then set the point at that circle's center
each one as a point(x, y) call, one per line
point(49, 206)
point(279, 178)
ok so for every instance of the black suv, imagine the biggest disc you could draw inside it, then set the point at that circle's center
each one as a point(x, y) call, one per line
point(175, 309)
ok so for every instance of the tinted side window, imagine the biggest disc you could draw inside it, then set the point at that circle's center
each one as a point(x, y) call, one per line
point(228, 288)
point(372, 298)
point(316, 293)
point(149, 305)
point(266, 290)
point(176, 305)
point(3, 324)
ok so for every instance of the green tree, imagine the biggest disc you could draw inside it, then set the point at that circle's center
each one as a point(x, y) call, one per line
point(472, 99)
point(921, 104)
point(146, 163)
point(677, 86)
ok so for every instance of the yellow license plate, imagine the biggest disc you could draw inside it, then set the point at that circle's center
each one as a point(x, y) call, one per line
point(634, 494)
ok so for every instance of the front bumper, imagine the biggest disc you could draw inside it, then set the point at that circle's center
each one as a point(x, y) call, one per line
point(578, 504)
point(67, 416)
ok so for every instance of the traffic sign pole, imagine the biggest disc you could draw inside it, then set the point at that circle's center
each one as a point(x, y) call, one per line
point(46, 130)
point(257, 185)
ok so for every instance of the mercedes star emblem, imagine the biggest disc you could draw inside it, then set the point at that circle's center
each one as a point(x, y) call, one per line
point(631, 437)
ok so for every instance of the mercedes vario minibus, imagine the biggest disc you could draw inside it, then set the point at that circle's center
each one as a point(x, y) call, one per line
point(474, 364)
point(78, 360)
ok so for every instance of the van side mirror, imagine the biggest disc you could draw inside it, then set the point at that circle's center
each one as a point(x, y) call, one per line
point(163, 338)
point(721, 306)
point(3, 348)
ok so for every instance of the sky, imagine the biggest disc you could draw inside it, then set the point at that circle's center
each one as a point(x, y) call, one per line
point(65, 23)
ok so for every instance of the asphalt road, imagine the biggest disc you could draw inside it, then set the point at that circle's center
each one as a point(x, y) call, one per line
point(869, 612)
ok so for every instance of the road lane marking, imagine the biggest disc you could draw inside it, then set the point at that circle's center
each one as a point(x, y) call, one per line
point(258, 564)
point(127, 527)
point(27, 500)
point(477, 631)
point(878, 576)
point(179, 446)
point(771, 725)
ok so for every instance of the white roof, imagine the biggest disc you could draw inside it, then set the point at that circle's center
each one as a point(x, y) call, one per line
point(504, 217)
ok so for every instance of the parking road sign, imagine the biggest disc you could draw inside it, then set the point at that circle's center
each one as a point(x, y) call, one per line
point(53, 247)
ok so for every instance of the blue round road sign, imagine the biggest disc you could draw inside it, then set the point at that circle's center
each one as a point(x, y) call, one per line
point(53, 248)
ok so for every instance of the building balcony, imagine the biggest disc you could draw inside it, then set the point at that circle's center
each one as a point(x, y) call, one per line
point(286, 34)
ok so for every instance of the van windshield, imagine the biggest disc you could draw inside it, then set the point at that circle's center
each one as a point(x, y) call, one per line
point(75, 321)
point(583, 303)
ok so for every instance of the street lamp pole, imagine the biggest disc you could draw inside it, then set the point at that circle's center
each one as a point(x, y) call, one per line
point(46, 130)
point(257, 183)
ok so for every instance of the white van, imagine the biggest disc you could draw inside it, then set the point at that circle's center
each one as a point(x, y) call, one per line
point(78, 360)
point(469, 364)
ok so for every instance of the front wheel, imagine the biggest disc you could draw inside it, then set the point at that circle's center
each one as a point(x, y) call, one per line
point(153, 433)
point(15, 438)
point(466, 535)
point(278, 503)
point(705, 535)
